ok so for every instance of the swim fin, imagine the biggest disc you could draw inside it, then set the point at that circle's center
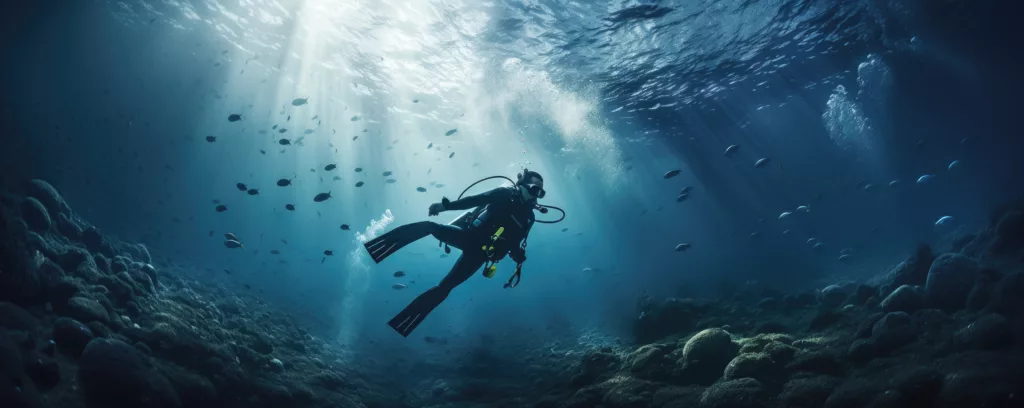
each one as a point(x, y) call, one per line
point(389, 243)
point(410, 318)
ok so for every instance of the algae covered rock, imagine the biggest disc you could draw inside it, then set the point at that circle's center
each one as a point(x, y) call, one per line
point(113, 374)
point(739, 393)
point(950, 280)
point(705, 356)
point(807, 392)
point(71, 336)
point(35, 215)
point(47, 195)
point(753, 365)
point(87, 310)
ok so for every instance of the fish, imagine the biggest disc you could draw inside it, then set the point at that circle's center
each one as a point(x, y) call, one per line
point(685, 190)
point(230, 236)
point(439, 185)
point(308, 132)
point(275, 252)
point(565, 229)
point(925, 179)
point(391, 181)
point(289, 207)
point(355, 118)
point(421, 189)
point(672, 173)
point(386, 173)
point(358, 169)
point(430, 145)
point(731, 150)
point(451, 155)
point(241, 186)
point(944, 220)
point(299, 101)
point(398, 286)
point(328, 252)
point(954, 164)
point(784, 215)
point(322, 197)
point(284, 142)
point(234, 117)
point(398, 274)
point(682, 247)
point(273, 127)
point(803, 208)
point(263, 152)
point(355, 137)
point(221, 208)
point(211, 233)
point(682, 197)
point(233, 244)
point(359, 184)
point(330, 167)
point(761, 162)
point(845, 257)
point(336, 178)
point(254, 191)
point(451, 132)
point(211, 139)
point(345, 227)
point(282, 130)
point(894, 183)
point(284, 182)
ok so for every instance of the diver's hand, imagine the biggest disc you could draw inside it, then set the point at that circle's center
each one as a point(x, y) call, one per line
point(435, 209)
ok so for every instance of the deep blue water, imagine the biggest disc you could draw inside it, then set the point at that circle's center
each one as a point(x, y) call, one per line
point(112, 101)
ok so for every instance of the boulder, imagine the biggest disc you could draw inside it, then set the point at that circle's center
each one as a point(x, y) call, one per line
point(833, 296)
point(893, 331)
point(45, 372)
point(87, 310)
point(705, 356)
point(950, 280)
point(71, 336)
point(1008, 299)
point(47, 196)
point(1009, 233)
point(989, 332)
point(913, 271)
point(35, 215)
point(663, 319)
point(807, 392)
point(817, 362)
point(739, 393)
point(113, 374)
point(905, 298)
point(68, 228)
point(17, 390)
point(753, 365)
point(13, 317)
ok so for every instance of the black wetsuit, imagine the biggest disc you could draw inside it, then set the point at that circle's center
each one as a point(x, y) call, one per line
point(501, 208)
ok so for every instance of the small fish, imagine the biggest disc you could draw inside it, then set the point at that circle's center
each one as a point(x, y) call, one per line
point(430, 145)
point(803, 208)
point(254, 191)
point(330, 167)
point(289, 119)
point(682, 247)
point(273, 127)
point(221, 208)
point(328, 252)
point(284, 142)
point(761, 162)
point(241, 187)
point(386, 173)
point(451, 155)
point(398, 286)
point(682, 197)
point(233, 244)
point(234, 117)
point(672, 173)
point(398, 274)
point(359, 184)
point(451, 132)
point(421, 189)
point(359, 169)
point(954, 164)
point(211, 139)
point(731, 150)
point(565, 229)
point(345, 227)
point(818, 245)
point(845, 257)
point(811, 240)
point(275, 252)
point(282, 130)
point(230, 236)
point(299, 101)
point(336, 178)
point(391, 181)
point(894, 183)
point(925, 179)
point(263, 152)
point(324, 259)
point(786, 232)
point(784, 215)
point(944, 220)
point(308, 132)
point(284, 182)
point(439, 185)
point(227, 271)
point(355, 118)
point(211, 233)
point(413, 101)
point(685, 190)
point(322, 197)
point(289, 207)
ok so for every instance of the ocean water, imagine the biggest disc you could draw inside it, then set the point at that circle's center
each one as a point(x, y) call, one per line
point(873, 120)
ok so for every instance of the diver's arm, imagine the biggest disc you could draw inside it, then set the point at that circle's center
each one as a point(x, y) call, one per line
point(517, 253)
point(493, 196)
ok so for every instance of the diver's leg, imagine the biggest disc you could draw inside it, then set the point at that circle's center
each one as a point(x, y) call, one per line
point(391, 241)
point(409, 318)
point(451, 235)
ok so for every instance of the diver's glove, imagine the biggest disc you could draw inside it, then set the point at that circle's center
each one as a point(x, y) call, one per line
point(437, 208)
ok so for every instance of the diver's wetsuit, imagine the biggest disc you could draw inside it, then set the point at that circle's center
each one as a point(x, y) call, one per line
point(502, 207)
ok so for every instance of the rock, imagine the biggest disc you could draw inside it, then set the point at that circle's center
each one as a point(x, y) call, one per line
point(68, 228)
point(854, 393)
point(818, 362)
point(1009, 233)
point(833, 296)
point(47, 196)
point(988, 332)
point(71, 336)
point(824, 319)
point(674, 396)
point(17, 389)
point(893, 331)
point(753, 365)
point(981, 295)
point(771, 326)
point(14, 317)
point(769, 304)
point(35, 215)
point(595, 365)
point(864, 328)
point(113, 374)
point(863, 293)
point(643, 359)
point(705, 356)
point(950, 280)
point(87, 310)
point(913, 271)
point(739, 393)
point(73, 257)
point(18, 282)
point(983, 387)
point(626, 392)
point(862, 350)
point(102, 263)
point(50, 275)
point(150, 271)
point(663, 319)
point(918, 387)
point(45, 372)
point(780, 353)
point(99, 329)
point(193, 389)
point(807, 392)
point(1008, 299)
point(905, 298)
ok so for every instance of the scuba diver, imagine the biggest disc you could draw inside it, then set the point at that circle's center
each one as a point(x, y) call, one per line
point(497, 224)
